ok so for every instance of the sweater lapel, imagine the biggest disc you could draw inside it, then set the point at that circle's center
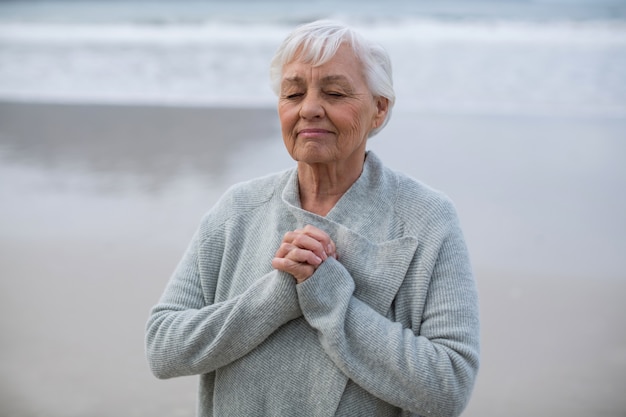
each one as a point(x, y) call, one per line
point(376, 263)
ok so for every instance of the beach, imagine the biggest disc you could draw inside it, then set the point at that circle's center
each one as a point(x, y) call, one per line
point(100, 201)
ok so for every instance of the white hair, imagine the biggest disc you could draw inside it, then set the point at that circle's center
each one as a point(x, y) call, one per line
point(317, 42)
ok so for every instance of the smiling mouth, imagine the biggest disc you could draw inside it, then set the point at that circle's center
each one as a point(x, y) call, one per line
point(313, 133)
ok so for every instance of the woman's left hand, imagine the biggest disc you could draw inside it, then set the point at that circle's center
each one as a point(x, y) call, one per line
point(302, 251)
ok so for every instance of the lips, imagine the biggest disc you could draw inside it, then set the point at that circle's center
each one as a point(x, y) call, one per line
point(313, 132)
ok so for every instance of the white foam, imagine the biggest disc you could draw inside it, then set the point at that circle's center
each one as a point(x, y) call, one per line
point(461, 66)
point(122, 33)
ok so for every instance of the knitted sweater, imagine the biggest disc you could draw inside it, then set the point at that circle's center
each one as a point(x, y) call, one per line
point(390, 328)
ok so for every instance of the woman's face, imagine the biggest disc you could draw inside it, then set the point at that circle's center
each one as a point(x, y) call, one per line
point(327, 112)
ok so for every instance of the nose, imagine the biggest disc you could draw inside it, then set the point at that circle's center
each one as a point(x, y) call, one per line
point(311, 106)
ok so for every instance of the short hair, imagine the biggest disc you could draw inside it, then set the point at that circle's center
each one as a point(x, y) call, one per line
point(317, 42)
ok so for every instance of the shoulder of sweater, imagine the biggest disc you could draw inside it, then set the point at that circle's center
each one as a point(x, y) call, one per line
point(244, 197)
point(417, 203)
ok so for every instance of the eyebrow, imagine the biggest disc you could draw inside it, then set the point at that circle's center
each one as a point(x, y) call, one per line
point(329, 79)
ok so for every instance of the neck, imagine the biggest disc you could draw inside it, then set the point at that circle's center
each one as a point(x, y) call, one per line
point(322, 185)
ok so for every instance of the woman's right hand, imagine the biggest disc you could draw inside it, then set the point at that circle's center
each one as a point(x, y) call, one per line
point(302, 251)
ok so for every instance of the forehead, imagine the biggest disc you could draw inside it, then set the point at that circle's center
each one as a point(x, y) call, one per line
point(344, 64)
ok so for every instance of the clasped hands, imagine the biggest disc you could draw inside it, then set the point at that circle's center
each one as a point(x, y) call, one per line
point(302, 251)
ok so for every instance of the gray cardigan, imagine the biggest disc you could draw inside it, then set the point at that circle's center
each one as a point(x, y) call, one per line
point(390, 328)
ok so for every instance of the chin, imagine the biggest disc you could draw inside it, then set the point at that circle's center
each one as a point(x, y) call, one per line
point(313, 156)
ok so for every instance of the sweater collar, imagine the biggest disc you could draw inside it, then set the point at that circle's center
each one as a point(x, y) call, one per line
point(368, 200)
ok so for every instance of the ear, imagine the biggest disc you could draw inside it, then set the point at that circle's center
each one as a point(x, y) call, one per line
point(382, 107)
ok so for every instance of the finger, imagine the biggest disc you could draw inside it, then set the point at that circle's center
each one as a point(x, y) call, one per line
point(308, 230)
point(321, 236)
point(297, 254)
point(326, 246)
point(301, 239)
point(283, 250)
point(307, 242)
point(303, 255)
point(300, 271)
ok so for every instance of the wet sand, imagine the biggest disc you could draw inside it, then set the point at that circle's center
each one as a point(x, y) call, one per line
point(98, 203)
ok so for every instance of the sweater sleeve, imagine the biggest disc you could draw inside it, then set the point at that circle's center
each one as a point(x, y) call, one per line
point(187, 334)
point(428, 369)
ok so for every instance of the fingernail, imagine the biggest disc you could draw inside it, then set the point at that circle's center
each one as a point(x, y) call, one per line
point(329, 248)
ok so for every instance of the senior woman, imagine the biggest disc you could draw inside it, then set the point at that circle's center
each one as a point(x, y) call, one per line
point(337, 288)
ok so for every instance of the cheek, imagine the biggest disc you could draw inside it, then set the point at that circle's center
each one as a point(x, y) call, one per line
point(357, 123)
point(287, 125)
point(286, 118)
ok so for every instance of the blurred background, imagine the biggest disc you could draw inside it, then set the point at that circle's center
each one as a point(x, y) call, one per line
point(122, 122)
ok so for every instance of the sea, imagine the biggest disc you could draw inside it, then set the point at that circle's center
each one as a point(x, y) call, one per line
point(472, 56)
point(516, 108)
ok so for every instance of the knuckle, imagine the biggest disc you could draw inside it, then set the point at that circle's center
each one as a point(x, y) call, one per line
point(299, 240)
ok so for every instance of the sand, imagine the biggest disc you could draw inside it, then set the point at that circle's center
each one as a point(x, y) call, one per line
point(98, 203)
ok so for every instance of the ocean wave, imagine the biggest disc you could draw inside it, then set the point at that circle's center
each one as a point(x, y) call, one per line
point(462, 66)
point(413, 30)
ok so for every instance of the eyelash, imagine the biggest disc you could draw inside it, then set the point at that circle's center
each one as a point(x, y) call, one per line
point(333, 94)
